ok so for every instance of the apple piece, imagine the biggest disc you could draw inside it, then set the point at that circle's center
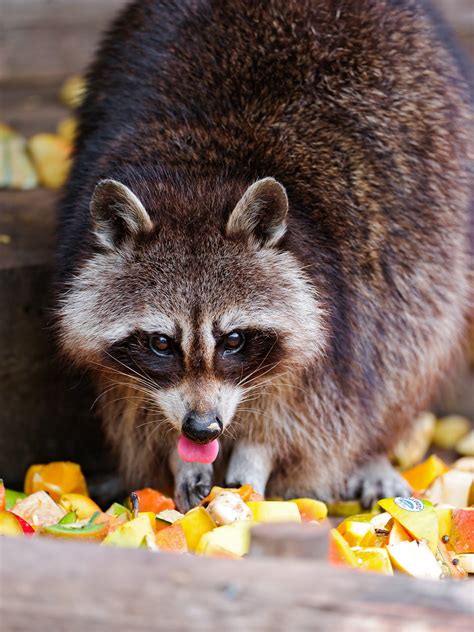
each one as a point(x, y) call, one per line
point(233, 537)
point(466, 445)
point(169, 515)
point(131, 534)
point(449, 563)
point(195, 523)
point(374, 559)
point(452, 488)
point(82, 505)
point(172, 539)
point(415, 559)
point(274, 511)
point(444, 515)
point(412, 448)
point(418, 517)
point(382, 521)
point(398, 534)
point(51, 155)
point(422, 475)
point(39, 510)
point(310, 509)
point(9, 524)
point(12, 497)
point(461, 539)
point(466, 561)
point(465, 464)
point(449, 430)
point(340, 553)
point(25, 526)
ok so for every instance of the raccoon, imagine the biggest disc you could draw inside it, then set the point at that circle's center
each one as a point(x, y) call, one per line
point(264, 241)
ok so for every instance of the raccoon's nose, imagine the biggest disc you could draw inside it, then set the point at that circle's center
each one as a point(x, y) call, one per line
point(201, 427)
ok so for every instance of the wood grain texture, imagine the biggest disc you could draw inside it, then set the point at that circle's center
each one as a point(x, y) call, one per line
point(47, 585)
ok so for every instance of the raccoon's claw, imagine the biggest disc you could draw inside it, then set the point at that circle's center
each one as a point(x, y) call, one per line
point(192, 487)
point(375, 480)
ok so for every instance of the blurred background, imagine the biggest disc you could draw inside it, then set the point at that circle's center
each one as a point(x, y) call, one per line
point(45, 411)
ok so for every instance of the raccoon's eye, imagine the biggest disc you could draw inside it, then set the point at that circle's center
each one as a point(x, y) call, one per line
point(233, 342)
point(161, 345)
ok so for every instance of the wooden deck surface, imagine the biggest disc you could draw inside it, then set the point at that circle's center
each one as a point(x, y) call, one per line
point(49, 586)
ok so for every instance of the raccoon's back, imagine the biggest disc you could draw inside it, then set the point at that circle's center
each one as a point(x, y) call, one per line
point(316, 93)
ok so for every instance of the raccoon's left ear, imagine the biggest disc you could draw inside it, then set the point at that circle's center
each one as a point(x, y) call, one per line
point(117, 213)
point(260, 213)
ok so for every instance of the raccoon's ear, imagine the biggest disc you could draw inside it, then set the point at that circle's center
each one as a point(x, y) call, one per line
point(117, 213)
point(260, 213)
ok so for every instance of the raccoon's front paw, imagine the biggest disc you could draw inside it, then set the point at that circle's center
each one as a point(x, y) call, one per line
point(375, 480)
point(192, 485)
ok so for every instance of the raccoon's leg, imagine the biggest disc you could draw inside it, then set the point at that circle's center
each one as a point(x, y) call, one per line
point(250, 463)
point(192, 482)
point(374, 480)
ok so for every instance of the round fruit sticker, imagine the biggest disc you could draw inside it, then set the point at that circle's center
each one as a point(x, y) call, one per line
point(410, 504)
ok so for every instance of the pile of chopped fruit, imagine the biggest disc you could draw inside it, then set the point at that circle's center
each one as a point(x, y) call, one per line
point(429, 535)
point(56, 503)
point(45, 158)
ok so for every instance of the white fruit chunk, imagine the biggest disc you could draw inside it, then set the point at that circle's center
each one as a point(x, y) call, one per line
point(415, 559)
point(466, 560)
point(228, 507)
point(452, 488)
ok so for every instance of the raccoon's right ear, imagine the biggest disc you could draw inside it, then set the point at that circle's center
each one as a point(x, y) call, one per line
point(117, 213)
point(261, 213)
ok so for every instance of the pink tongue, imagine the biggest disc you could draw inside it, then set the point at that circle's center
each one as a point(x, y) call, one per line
point(197, 452)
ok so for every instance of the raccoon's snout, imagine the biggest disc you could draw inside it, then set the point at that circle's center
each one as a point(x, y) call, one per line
point(202, 428)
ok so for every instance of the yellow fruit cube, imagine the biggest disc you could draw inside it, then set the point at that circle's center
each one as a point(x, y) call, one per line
point(274, 511)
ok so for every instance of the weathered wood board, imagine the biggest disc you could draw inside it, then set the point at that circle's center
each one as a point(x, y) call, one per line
point(48, 585)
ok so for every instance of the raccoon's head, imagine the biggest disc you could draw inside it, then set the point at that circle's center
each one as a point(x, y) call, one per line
point(200, 307)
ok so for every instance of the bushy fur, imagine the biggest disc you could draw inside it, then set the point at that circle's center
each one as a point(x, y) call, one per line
point(359, 110)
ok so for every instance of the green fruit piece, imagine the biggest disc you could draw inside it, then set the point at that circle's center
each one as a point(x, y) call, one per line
point(11, 498)
point(131, 534)
point(418, 517)
point(69, 518)
point(116, 509)
point(83, 532)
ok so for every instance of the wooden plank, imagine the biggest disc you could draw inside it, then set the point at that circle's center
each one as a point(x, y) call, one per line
point(48, 585)
point(305, 541)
